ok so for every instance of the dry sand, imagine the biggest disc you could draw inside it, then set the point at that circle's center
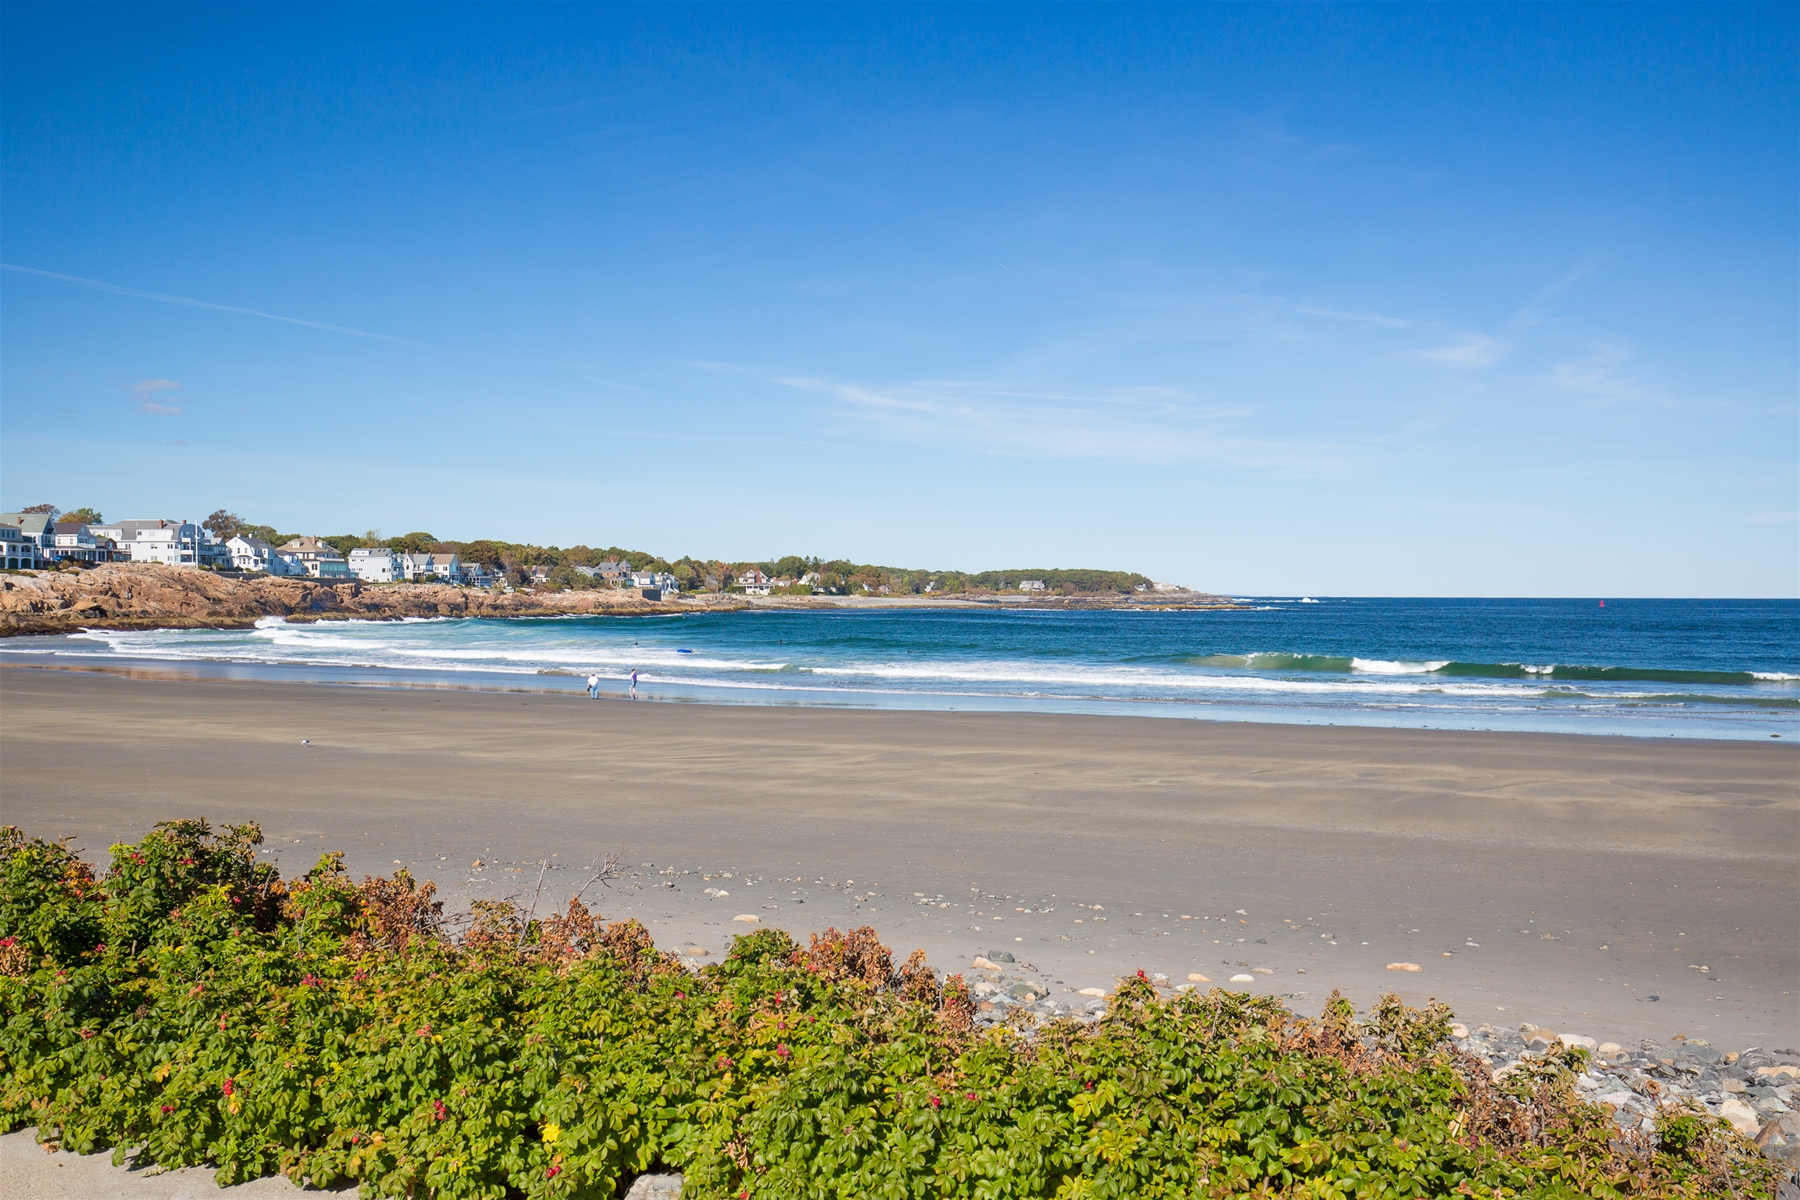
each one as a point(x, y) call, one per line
point(1593, 873)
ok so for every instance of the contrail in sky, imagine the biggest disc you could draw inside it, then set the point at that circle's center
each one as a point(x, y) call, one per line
point(102, 286)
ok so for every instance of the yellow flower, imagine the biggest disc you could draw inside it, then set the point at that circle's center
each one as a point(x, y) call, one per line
point(552, 1131)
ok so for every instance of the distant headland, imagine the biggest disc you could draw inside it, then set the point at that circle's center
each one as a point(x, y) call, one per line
point(71, 570)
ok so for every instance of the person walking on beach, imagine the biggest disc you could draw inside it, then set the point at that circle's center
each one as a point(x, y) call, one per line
point(593, 687)
point(634, 683)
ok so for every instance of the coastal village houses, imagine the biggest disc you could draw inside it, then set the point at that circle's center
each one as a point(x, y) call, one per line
point(319, 559)
point(445, 567)
point(161, 540)
point(78, 542)
point(754, 582)
point(611, 571)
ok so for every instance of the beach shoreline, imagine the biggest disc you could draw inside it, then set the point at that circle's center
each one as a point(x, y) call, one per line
point(1556, 879)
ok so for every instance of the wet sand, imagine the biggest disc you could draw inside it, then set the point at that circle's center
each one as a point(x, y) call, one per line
point(1554, 879)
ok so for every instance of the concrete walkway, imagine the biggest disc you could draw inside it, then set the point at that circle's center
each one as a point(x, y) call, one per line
point(27, 1172)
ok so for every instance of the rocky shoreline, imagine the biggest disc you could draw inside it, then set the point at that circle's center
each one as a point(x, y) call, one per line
point(148, 596)
point(1756, 1090)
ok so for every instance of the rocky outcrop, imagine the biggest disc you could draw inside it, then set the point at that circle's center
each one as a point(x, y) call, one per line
point(149, 596)
point(146, 596)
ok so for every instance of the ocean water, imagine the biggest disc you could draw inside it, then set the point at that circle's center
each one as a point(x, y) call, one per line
point(1652, 668)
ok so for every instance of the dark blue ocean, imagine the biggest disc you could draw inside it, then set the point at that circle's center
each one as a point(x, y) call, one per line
point(1651, 668)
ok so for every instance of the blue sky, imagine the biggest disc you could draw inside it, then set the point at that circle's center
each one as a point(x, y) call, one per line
point(1451, 300)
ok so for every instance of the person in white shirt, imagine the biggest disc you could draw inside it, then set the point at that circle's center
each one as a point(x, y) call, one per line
point(593, 687)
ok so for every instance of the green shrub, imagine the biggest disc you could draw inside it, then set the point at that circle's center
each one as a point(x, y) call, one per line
point(189, 1007)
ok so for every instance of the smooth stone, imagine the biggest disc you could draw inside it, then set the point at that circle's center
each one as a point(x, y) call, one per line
point(1459, 1030)
point(655, 1187)
point(1091, 992)
point(1610, 1047)
point(985, 963)
point(1261, 971)
point(1000, 956)
point(1576, 1039)
point(1741, 1116)
point(1404, 967)
point(748, 918)
point(1243, 979)
point(1197, 977)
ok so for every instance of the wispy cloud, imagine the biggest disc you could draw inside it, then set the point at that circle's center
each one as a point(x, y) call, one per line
point(143, 389)
point(100, 285)
point(1472, 351)
point(1126, 424)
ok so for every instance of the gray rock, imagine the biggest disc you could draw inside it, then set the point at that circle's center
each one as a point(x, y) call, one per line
point(1001, 956)
point(655, 1187)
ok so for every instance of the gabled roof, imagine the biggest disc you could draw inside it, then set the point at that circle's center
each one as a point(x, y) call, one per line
point(31, 524)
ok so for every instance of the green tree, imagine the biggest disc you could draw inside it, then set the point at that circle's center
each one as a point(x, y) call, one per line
point(84, 515)
point(413, 543)
point(223, 525)
point(487, 553)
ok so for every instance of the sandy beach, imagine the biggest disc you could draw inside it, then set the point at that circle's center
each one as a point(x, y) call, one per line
point(1574, 882)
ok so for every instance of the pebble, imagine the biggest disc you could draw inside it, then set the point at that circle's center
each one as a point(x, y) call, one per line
point(1404, 967)
point(1091, 992)
point(748, 918)
point(1197, 977)
point(1243, 979)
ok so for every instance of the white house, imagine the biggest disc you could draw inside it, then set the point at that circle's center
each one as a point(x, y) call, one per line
point(375, 564)
point(660, 580)
point(1031, 585)
point(172, 543)
point(254, 554)
point(22, 551)
point(36, 536)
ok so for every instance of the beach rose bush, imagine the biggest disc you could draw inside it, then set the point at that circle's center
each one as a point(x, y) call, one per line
point(189, 1007)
